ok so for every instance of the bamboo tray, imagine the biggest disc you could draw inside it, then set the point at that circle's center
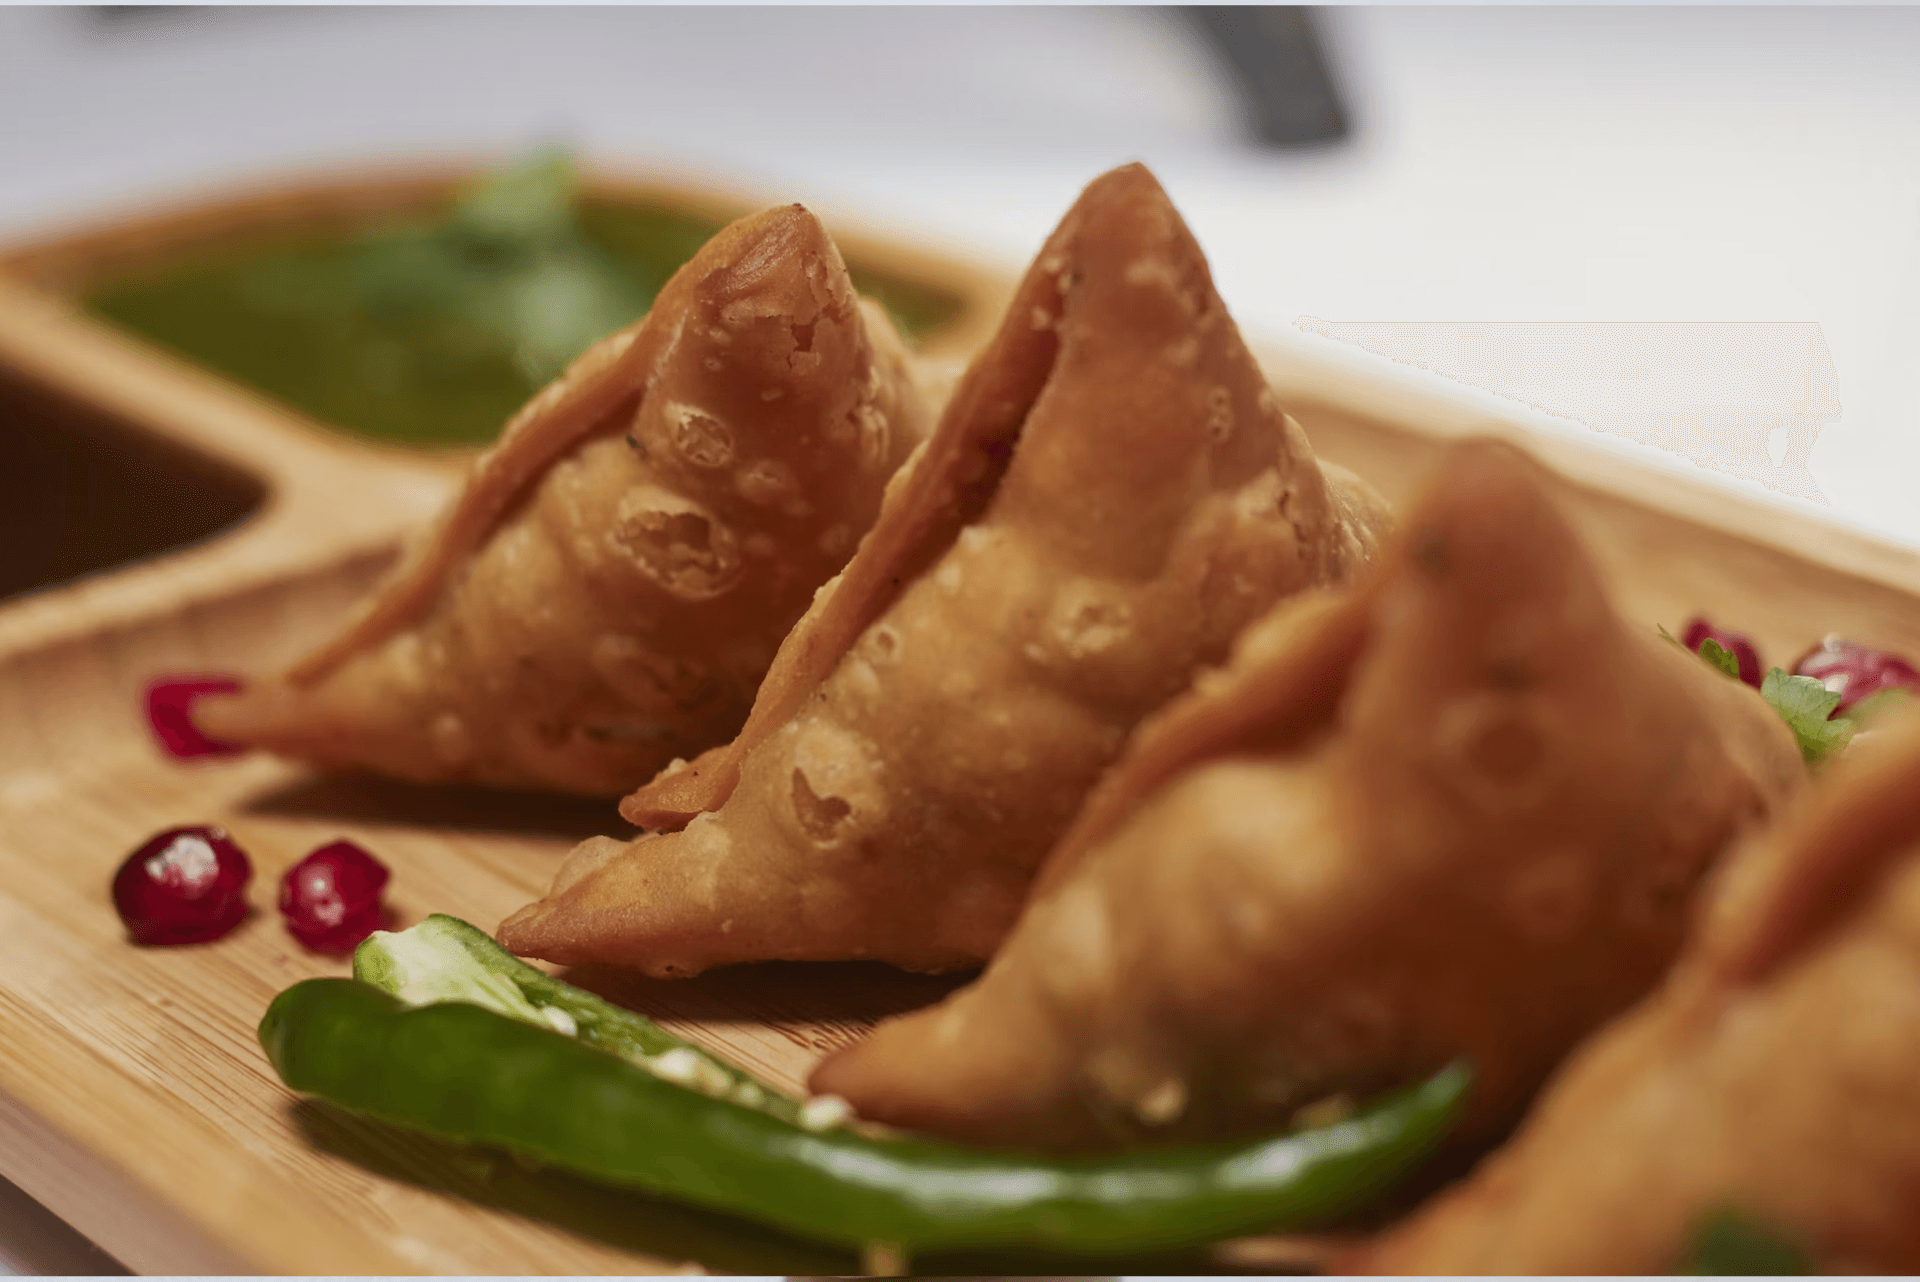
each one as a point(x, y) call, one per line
point(134, 1100)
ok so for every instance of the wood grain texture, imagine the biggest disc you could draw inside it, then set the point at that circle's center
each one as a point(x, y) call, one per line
point(133, 1097)
point(134, 1100)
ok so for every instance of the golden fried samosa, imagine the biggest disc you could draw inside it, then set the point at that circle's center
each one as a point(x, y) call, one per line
point(1771, 1078)
point(606, 593)
point(1457, 811)
point(1110, 495)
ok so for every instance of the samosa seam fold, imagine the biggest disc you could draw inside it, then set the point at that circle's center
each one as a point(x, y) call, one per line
point(605, 594)
point(1456, 813)
point(1770, 1079)
point(1112, 493)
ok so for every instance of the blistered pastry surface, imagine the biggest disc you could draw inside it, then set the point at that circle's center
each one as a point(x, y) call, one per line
point(1459, 812)
point(1784, 1091)
point(1111, 495)
point(608, 591)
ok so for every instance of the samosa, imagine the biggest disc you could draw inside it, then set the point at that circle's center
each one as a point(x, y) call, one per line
point(606, 593)
point(1459, 811)
point(1111, 494)
point(1764, 1097)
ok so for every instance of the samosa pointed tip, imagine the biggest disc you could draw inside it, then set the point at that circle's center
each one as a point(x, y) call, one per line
point(1490, 516)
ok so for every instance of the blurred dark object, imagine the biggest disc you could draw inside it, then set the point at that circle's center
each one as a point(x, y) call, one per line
point(130, 15)
point(1282, 74)
point(139, 23)
point(40, 1242)
point(81, 493)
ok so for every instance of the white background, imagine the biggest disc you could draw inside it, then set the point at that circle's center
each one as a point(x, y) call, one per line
point(1519, 164)
point(1508, 163)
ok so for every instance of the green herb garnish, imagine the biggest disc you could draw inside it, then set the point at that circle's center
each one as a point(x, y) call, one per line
point(1732, 1243)
point(1807, 708)
point(508, 268)
point(1720, 657)
point(1802, 702)
point(1877, 705)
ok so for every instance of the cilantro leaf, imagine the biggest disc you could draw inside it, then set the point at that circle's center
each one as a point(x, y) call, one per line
point(521, 207)
point(1720, 657)
point(1731, 1243)
point(1710, 650)
point(507, 275)
point(1805, 705)
point(1879, 704)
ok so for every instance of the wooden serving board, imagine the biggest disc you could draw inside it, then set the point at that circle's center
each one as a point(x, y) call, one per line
point(134, 1099)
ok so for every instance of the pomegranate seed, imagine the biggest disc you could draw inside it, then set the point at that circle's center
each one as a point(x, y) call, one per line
point(1855, 671)
point(184, 886)
point(331, 899)
point(1742, 649)
point(170, 713)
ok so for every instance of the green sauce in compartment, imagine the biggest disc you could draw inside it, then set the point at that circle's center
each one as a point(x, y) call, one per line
point(432, 331)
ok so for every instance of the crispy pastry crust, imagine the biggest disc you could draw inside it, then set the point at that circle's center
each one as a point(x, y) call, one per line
point(607, 591)
point(1111, 495)
point(1772, 1075)
point(1459, 811)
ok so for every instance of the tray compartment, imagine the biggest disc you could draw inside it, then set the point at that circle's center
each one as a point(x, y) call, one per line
point(83, 492)
point(133, 1101)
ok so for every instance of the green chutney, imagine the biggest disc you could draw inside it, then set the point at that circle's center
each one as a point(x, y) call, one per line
point(432, 331)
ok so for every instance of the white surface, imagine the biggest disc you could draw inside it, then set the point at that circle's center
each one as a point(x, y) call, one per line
point(1745, 398)
point(1508, 164)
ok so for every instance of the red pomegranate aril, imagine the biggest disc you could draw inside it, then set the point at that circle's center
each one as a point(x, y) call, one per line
point(170, 713)
point(1740, 647)
point(1854, 671)
point(331, 899)
point(183, 886)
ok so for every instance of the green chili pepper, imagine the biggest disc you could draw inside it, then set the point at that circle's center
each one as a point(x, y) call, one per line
point(470, 1074)
point(444, 959)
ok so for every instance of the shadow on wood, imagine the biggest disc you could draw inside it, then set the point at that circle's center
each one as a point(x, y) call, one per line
point(651, 1226)
point(628, 1221)
point(818, 1006)
point(367, 799)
